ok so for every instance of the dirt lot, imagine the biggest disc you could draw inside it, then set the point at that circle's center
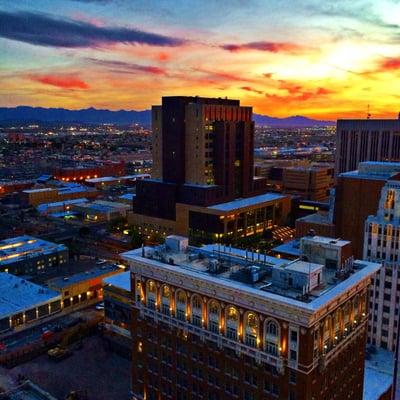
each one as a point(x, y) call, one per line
point(103, 374)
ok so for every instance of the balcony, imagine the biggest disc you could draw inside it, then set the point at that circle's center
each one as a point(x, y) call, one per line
point(220, 340)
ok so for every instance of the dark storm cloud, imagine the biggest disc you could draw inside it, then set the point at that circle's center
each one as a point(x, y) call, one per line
point(45, 30)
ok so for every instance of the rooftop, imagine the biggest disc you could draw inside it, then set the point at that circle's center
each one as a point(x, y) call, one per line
point(378, 374)
point(247, 202)
point(17, 295)
point(97, 272)
point(23, 247)
point(127, 196)
point(376, 170)
point(43, 207)
point(291, 248)
point(327, 241)
point(252, 272)
point(38, 190)
point(121, 281)
point(317, 218)
point(104, 206)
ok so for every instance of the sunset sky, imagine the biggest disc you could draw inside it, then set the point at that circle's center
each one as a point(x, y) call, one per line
point(321, 59)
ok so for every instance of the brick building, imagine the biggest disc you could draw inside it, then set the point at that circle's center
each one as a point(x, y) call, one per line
point(357, 196)
point(203, 170)
point(221, 323)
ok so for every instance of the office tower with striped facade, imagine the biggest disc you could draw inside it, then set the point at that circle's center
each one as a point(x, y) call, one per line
point(360, 140)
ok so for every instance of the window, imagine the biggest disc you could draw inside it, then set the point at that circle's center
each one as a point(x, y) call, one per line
point(196, 310)
point(214, 316)
point(232, 323)
point(251, 330)
point(271, 337)
point(181, 300)
point(151, 294)
point(165, 300)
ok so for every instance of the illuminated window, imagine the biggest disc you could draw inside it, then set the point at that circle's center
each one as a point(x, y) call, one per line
point(196, 310)
point(271, 337)
point(232, 323)
point(214, 312)
point(165, 300)
point(251, 330)
point(181, 305)
point(151, 295)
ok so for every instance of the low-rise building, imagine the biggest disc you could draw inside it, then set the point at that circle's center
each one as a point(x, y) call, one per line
point(220, 222)
point(108, 181)
point(117, 303)
point(85, 287)
point(36, 196)
point(311, 183)
point(59, 206)
point(27, 255)
point(101, 210)
point(117, 312)
point(378, 377)
point(23, 302)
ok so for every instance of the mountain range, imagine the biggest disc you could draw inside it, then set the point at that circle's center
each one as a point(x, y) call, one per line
point(25, 114)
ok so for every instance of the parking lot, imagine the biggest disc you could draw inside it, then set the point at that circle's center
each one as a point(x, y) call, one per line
point(92, 369)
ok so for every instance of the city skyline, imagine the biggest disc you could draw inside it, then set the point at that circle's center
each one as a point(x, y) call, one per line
point(321, 61)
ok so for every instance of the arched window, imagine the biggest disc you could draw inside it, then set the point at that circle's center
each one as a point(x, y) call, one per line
point(214, 315)
point(165, 299)
point(181, 305)
point(139, 291)
point(356, 313)
point(336, 323)
point(151, 294)
point(197, 310)
point(232, 323)
point(346, 317)
point(272, 337)
point(327, 333)
point(363, 305)
point(251, 329)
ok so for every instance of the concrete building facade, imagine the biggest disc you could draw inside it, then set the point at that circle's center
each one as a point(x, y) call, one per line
point(382, 244)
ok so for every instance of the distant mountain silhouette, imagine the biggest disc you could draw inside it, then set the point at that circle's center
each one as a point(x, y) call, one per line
point(295, 121)
point(91, 115)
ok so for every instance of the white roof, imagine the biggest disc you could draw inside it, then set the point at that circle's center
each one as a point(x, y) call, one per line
point(247, 202)
point(363, 271)
point(303, 267)
point(378, 374)
point(16, 248)
point(326, 240)
point(121, 281)
point(18, 295)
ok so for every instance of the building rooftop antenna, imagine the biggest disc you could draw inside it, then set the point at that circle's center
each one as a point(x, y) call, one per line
point(368, 113)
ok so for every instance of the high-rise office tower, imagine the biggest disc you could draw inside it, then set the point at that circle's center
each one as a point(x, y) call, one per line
point(366, 140)
point(218, 323)
point(205, 142)
point(382, 244)
point(202, 163)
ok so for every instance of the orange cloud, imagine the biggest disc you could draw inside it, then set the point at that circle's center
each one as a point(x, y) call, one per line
point(390, 64)
point(60, 81)
point(296, 92)
point(251, 89)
